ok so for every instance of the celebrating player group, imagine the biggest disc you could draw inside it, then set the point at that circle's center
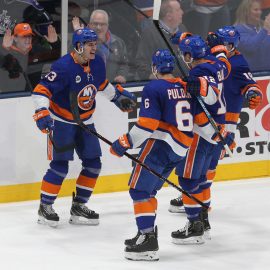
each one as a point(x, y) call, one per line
point(173, 129)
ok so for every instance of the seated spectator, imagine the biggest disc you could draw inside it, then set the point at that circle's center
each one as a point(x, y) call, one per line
point(208, 16)
point(255, 35)
point(170, 17)
point(14, 60)
point(110, 47)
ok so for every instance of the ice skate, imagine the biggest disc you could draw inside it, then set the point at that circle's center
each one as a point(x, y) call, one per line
point(192, 233)
point(177, 206)
point(82, 215)
point(206, 224)
point(47, 215)
point(145, 248)
point(132, 241)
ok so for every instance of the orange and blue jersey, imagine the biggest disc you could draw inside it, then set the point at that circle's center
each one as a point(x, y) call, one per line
point(236, 85)
point(215, 72)
point(67, 75)
point(167, 113)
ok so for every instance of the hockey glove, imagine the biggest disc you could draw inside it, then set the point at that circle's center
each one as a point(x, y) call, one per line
point(216, 44)
point(124, 100)
point(120, 146)
point(43, 120)
point(222, 131)
point(179, 36)
point(229, 139)
point(11, 64)
point(254, 99)
point(196, 86)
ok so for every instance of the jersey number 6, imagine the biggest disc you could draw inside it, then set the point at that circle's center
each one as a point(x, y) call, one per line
point(184, 118)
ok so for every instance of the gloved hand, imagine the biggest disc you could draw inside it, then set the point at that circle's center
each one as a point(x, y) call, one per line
point(196, 86)
point(223, 131)
point(179, 36)
point(120, 146)
point(11, 64)
point(229, 139)
point(254, 98)
point(43, 120)
point(124, 100)
point(216, 44)
point(213, 40)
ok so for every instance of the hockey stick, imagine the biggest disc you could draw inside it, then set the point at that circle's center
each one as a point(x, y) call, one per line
point(77, 119)
point(184, 72)
point(60, 149)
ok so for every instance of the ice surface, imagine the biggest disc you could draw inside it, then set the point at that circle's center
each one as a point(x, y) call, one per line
point(240, 222)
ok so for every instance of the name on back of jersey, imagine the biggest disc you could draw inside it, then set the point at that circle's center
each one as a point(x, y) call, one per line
point(177, 93)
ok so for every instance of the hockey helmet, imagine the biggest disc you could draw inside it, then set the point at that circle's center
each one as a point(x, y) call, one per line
point(229, 35)
point(83, 35)
point(195, 46)
point(163, 60)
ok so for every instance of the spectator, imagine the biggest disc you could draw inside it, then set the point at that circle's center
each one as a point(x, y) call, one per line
point(254, 35)
point(45, 42)
point(15, 58)
point(171, 15)
point(207, 16)
point(110, 47)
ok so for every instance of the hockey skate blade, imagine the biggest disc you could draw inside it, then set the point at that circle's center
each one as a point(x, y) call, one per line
point(51, 223)
point(78, 220)
point(142, 256)
point(176, 209)
point(195, 240)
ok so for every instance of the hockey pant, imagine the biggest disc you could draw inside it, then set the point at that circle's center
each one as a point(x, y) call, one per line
point(191, 173)
point(159, 156)
point(54, 177)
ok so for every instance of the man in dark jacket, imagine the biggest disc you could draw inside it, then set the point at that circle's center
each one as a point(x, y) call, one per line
point(171, 19)
point(110, 47)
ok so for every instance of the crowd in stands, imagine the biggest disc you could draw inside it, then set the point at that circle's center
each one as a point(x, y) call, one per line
point(126, 36)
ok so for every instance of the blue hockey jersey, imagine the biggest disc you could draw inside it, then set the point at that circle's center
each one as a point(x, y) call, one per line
point(235, 86)
point(66, 75)
point(167, 113)
point(215, 72)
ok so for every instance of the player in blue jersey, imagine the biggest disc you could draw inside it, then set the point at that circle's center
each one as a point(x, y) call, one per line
point(165, 125)
point(237, 87)
point(83, 72)
point(192, 169)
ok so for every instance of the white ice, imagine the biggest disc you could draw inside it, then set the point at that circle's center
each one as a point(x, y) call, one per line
point(240, 222)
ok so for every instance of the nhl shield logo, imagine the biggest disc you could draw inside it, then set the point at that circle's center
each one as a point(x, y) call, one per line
point(78, 79)
point(86, 97)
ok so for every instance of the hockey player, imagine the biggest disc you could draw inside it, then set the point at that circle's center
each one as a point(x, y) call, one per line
point(238, 86)
point(83, 72)
point(164, 127)
point(192, 169)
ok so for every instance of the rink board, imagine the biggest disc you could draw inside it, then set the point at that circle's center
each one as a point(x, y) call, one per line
point(23, 148)
point(114, 183)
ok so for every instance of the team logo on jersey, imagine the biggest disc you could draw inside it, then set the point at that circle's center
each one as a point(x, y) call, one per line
point(79, 31)
point(86, 97)
point(187, 41)
point(232, 33)
point(78, 79)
